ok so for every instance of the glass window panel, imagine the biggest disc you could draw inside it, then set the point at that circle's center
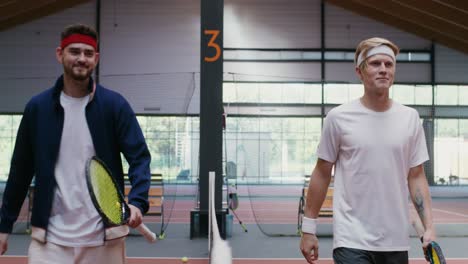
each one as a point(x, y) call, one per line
point(282, 151)
point(171, 143)
point(293, 125)
point(446, 95)
point(446, 128)
point(271, 55)
point(312, 93)
point(291, 55)
point(195, 125)
point(230, 54)
point(342, 93)
point(144, 122)
point(270, 92)
point(8, 129)
point(182, 124)
point(335, 94)
point(444, 143)
point(267, 55)
point(463, 94)
point(294, 135)
point(293, 93)
point(310, 154)
point(247, 92)
point(229, 92)
point(349, 56)
point(450, 151)
point(423, 95)
point(463, 152)
point(245, 154)
point(417, 56)
point(247, 55)
point(278, 93)
point(312, 55)
point(334, 55)
point(312, 127)
point(273, 125)
point(355, 91)
point(15, 122)
point(270, 161)
point(403, 94)
point(248, 124)
point(194, 159)
point(402, 57)
point(339, 55)
point(414, 56)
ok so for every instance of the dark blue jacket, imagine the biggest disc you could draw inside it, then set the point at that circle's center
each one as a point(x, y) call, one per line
point(114, 129)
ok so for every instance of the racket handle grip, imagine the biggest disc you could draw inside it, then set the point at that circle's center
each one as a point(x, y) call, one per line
point(146, 232)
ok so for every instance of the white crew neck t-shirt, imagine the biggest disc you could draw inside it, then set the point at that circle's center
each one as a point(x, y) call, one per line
point(373, 153)
point(74, 220)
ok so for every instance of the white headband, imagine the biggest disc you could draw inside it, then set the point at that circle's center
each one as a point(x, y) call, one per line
point(382, 49)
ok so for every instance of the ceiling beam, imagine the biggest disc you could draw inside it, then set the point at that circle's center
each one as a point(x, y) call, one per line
point(16, 12)
point(437, 10)
point(455, 4)
point(412, 14)
point(417, 28)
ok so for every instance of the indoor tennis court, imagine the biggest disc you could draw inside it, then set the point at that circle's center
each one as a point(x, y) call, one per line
point(243, 88)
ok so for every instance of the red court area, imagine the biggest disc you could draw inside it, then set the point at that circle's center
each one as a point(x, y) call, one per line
point(23, 260)
point(274, 205)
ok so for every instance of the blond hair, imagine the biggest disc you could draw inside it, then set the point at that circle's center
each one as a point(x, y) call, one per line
point(370, 43)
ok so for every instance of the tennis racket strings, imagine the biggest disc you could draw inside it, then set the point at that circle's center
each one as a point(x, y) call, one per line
point(108, 199)
point(106, 196)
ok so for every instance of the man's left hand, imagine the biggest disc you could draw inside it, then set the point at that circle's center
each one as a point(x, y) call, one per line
point(136, 217)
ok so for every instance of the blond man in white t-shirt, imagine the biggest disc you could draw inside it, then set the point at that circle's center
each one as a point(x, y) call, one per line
point(378, 149)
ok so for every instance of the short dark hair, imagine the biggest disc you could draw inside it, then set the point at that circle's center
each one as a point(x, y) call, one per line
point(79, 29)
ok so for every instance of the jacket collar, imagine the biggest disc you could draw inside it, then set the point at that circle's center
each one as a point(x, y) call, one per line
point(58, 88)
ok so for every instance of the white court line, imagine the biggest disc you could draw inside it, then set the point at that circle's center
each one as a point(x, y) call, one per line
point(450, 212)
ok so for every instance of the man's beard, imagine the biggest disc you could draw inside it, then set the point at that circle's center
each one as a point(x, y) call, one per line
point(81, 76)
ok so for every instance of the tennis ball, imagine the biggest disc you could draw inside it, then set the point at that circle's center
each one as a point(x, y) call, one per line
point(184, 259)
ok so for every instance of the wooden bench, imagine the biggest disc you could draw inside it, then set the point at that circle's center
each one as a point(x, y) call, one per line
point(327, 206)
point(155, 194)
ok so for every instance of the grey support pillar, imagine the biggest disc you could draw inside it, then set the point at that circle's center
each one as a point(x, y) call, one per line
point(428, 126)
point(211, 111)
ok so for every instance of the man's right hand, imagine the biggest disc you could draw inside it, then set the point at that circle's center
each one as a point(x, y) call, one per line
point(309, 247)
point(3, 243)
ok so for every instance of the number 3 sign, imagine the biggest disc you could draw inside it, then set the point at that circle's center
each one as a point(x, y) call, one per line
point(212, 44)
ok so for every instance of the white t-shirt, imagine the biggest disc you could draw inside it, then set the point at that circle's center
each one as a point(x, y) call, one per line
point(373, 153)
point(74, 220)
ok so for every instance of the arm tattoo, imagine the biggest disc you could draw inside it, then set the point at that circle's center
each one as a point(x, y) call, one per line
point(419, 203)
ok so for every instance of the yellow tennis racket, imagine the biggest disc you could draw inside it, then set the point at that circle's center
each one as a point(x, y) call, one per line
point(108, 199)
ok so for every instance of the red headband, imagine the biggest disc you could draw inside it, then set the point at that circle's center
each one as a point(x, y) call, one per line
point(78, 38)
